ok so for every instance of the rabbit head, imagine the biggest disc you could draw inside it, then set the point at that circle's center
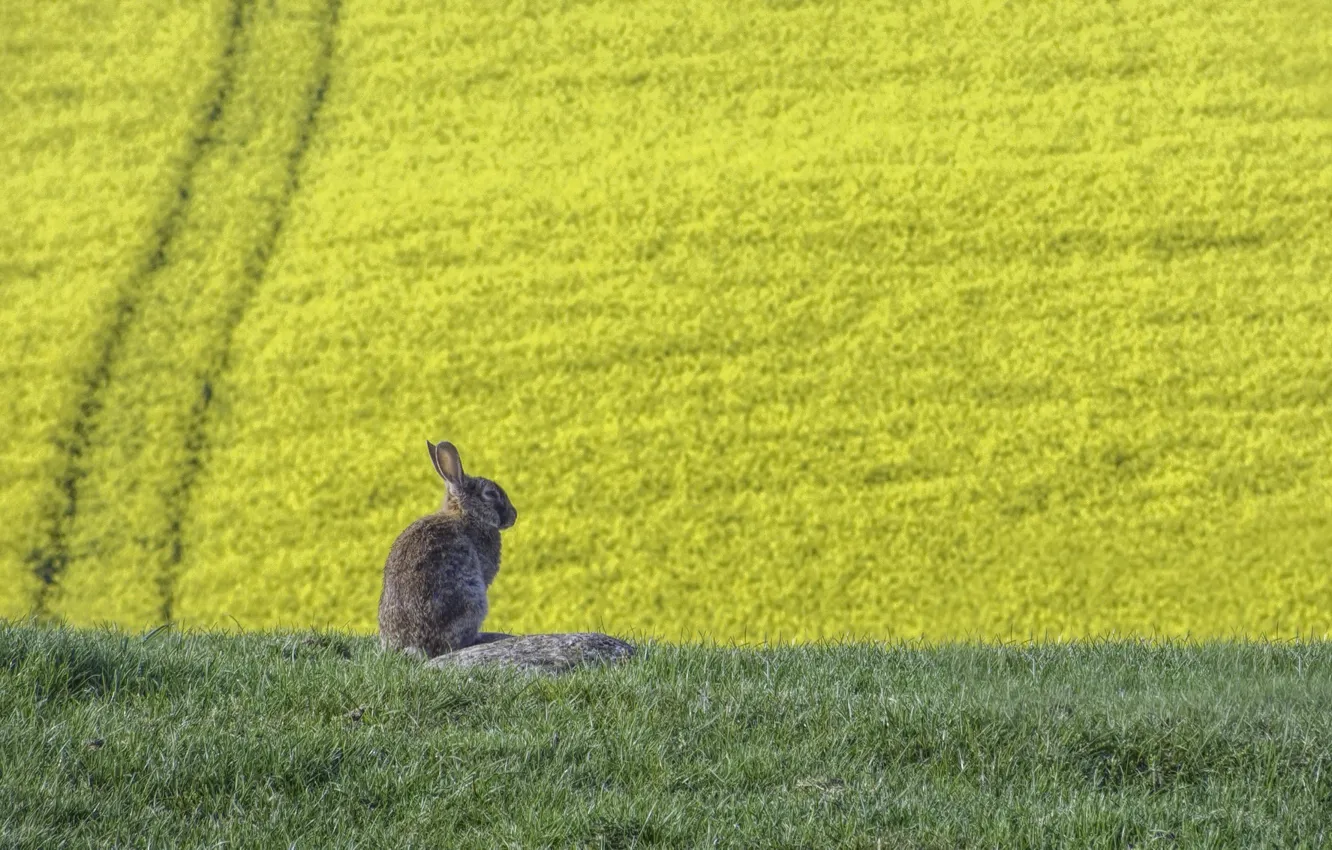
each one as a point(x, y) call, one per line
point(478, 499)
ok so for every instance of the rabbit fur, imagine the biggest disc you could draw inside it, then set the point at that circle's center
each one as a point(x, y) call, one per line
point(438, 569)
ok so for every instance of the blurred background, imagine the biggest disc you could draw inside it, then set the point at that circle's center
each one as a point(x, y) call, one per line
point(777, 320)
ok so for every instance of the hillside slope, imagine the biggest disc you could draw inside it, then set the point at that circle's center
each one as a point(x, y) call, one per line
point(320, 740)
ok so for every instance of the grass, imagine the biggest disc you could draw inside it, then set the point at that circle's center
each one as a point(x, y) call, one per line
point(316, 739)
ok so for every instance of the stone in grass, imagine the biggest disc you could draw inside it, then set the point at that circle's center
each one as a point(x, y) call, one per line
point(553, 653)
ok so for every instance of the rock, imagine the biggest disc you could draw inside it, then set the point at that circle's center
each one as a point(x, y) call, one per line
point(553, 653)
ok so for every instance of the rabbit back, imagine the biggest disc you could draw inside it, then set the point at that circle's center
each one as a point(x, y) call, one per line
point(435, 580)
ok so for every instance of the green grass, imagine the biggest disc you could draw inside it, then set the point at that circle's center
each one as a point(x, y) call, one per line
point(318, 740)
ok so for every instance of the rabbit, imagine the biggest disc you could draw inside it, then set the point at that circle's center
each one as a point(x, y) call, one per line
point(438, 569)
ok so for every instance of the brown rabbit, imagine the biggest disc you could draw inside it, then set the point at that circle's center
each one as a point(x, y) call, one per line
point(438, 569)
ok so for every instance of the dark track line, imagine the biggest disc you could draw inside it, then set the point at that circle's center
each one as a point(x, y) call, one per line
point(48, 560)
point(256, 266)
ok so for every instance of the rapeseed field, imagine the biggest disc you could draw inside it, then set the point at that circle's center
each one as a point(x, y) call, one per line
point(97, 112)
point(775, 319)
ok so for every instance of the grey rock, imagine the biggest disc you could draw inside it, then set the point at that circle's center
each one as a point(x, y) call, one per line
point(550, 653)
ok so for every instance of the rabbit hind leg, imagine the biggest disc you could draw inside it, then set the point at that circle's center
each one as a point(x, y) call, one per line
point(459, 633)
point(387, 644)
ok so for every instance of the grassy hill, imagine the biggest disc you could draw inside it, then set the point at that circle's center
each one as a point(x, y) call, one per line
point(774, 318)
point(317, 739)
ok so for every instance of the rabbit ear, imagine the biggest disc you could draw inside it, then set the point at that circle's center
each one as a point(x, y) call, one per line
point(447, 462)
point(433, 461)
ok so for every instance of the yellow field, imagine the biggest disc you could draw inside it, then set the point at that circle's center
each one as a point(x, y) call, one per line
point(781, 319)
point(96, 114)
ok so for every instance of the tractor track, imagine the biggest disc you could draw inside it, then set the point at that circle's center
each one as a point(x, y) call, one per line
point(51, 559)
point(256, 266)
